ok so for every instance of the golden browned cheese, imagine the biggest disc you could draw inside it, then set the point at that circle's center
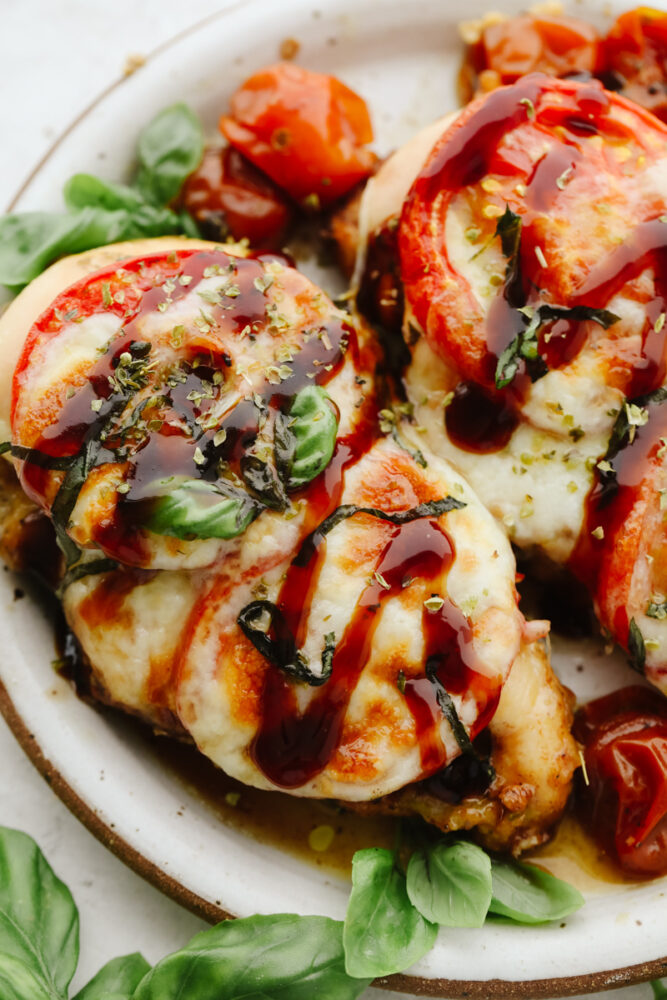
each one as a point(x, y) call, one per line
point(534, 755)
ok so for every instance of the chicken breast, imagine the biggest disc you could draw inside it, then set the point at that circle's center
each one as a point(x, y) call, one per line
point(250, 561)
point(529, 249)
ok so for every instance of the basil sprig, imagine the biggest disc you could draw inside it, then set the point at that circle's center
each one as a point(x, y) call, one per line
point(392, 917)
point(391, 922)
point(101, 212)
point(267, 957)
point(197, 509)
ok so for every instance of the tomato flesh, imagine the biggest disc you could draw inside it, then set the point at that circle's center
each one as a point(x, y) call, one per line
point(307, 131)
point(625, 803)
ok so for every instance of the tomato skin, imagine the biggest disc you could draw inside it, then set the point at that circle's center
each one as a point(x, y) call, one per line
point(228, 196)
point(306, 131)
point(625, 803)
point(636, 53)
point(557, 46)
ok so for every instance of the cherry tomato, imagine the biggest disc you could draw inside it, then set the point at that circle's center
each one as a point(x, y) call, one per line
point(228, 196)
point(306, 130)
point(558, 46)
point(636, 54)
point(625, 803)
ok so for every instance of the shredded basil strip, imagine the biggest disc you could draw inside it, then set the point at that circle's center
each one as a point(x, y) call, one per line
point(636, 647)
point(448, 709)
point(658, 611)
point(282, 651)
point(508, 229)
point(82, 569)
point(434, 508)
point(415, 454)
point(263, 483)
point(525, 346)
point(620, 433)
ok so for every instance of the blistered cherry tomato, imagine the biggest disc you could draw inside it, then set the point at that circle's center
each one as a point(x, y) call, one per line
point(228, 196)
point(558, 46)
point(306, 130)
point(624, 804)
point(636, 54)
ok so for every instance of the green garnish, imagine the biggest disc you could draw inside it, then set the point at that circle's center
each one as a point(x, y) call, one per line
point(101, 212)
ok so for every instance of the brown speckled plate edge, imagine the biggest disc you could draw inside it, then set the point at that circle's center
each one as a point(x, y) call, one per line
point(492, 989)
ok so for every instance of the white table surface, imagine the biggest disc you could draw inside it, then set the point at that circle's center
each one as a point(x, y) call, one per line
point(56, 57)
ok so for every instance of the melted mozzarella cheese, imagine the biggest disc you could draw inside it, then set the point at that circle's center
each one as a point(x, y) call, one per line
point(221, 686)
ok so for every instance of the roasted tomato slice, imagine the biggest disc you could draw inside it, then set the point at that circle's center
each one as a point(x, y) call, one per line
point(228, 196)
point(625, 802)
point(306, 130)
point(147, 392)
point(540, 195)
point(636, 55)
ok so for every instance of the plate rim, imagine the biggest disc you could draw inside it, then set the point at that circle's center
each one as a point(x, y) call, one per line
point(447, 989)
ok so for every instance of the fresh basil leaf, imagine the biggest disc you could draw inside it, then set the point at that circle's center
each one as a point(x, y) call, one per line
point(306, 438)
point(450, 884)
point(39, 922)
point(30, 241)
point(659, 989)
point(279, 957)
point(528, 895)
point(86, 190)
point(636, 647)
point(508, 229)
point(17, 982)
point(383, 933)
point(169, 149)
point(198, 509)
point(119, 977)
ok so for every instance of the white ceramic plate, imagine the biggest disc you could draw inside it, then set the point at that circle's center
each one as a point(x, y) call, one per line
point(403, 58)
